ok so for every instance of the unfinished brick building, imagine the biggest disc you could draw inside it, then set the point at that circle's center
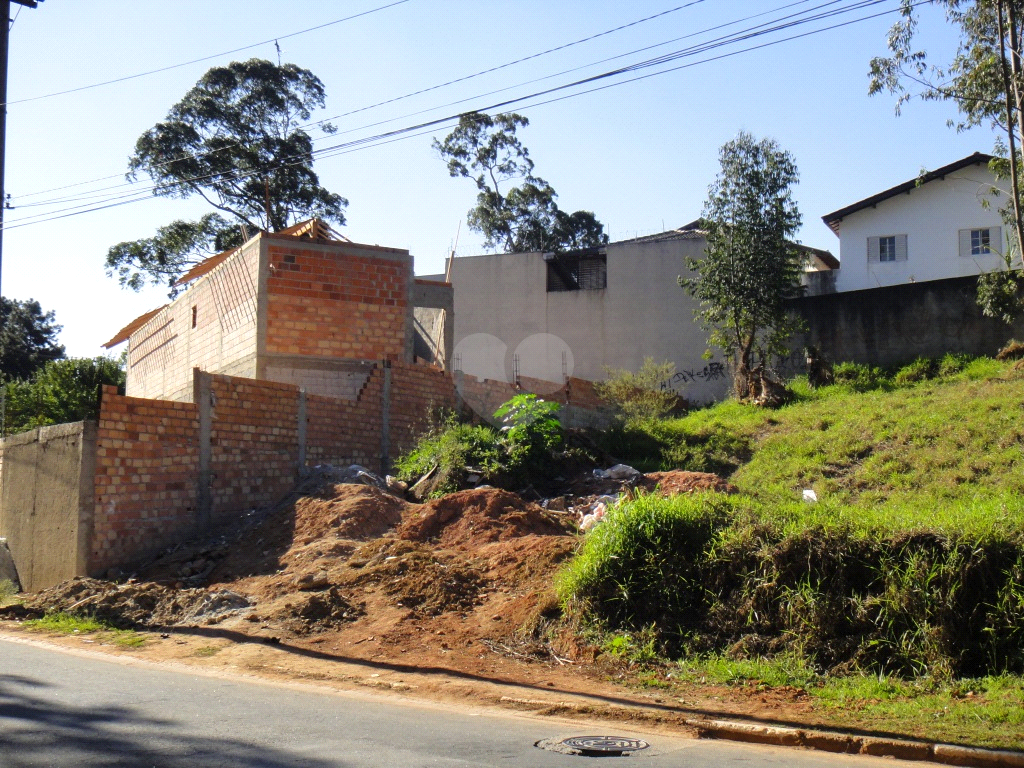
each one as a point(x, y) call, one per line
point(303, 306)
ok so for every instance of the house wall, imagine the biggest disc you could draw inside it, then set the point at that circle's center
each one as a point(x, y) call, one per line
point(331, 307)
point(46, 504)
point(163, 352)
point(931, 217)
point(503, 309)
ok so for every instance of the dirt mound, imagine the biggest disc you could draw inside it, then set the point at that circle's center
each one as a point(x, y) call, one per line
point(346, 511)
point(678, 481)
point(135, 604)
point(415, 576)
point(479, 516)
point(319, 612)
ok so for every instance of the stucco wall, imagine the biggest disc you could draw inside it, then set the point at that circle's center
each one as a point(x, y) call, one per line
point(46, 503)
point(896, 324)
point(931, 217)
point(503, 310)
point(222, 338)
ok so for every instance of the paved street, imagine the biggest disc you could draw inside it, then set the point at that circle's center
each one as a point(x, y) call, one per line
point(60, 709)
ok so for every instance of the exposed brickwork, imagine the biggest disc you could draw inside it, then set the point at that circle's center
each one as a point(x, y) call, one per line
point(418, 392)
point(337, 301)
point(254, 442)
point(580, 403)
point(147, 461)
point(211, 326)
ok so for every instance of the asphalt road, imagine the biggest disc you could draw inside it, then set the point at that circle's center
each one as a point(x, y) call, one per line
point(62, 709)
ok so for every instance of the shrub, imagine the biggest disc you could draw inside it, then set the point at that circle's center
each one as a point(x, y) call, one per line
point(921, 369)
point(450, 447)
point(645, 565)
point(530, 433)
point(642, 395)
point(858, 377)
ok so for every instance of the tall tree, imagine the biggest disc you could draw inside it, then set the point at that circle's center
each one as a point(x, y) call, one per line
point(985, 79)
point(28, 338)
point(750, 265)
point(237, 141)
point(515, 219)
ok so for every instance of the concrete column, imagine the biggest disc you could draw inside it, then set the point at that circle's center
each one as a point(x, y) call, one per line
point(204, 403)
point(301, 429)
point(385, 420)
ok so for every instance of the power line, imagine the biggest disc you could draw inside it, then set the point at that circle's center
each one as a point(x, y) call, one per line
point(388, 101)
point(407, 132)
point(93, 194)
point(205, 58)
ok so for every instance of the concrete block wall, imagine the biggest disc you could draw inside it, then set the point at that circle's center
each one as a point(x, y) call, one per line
point(212, 325)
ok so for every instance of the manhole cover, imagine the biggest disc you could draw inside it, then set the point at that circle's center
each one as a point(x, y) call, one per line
point(604, 746)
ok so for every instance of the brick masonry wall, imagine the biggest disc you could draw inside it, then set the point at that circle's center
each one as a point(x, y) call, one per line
point(148, 452)
point(333, 302)
point(162, 354)
point(254, 443)
point(581, 406)
point(147, 463)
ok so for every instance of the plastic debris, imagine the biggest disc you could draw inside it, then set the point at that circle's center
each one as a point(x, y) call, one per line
point(810, 495)
point(600, 474)
point(622, 472)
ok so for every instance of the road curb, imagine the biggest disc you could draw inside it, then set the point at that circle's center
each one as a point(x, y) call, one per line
point(829, 741)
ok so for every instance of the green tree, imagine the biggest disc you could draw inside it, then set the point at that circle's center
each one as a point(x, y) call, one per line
point(985, 79)
point(750, 265)
point(516, 219)
point(61, 391)
point(236, 140)
point(28, 338)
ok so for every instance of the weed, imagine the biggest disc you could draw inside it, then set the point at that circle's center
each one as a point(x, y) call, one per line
point(70, 624)
point(7, 592)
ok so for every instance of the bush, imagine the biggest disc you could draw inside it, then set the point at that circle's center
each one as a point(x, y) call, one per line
point(530, 433)
point(642, 395)
point(858, 377)
point(450, 447)
point(921, 369)
point(646, 565)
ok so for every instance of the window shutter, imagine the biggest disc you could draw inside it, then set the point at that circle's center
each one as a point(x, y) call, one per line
point(901, 247)
point(965, 242)
point(873, 250)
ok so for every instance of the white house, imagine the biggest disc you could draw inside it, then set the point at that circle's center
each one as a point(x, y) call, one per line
point(931, 227)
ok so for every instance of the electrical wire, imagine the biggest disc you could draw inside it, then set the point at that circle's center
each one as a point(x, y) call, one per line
point(96, 193)
point(202, 58)
point(410, 131)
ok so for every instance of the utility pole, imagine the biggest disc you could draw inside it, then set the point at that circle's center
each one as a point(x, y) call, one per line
point(5, 33)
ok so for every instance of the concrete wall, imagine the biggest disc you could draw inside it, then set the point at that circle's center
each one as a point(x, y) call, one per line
point(212, 325)
point(433, 321)
point(503, 310)
point(931, 217)
point(46, 505)
point(894, 325)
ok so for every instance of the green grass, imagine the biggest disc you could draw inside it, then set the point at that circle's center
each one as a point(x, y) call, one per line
point(8, 594)
point(986, 711)
point(71, 624)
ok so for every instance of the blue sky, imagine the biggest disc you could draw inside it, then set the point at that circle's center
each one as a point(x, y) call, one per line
point(640, 155)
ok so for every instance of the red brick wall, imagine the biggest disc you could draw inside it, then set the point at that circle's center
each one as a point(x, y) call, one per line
point(418, 392)
point(147, 461)
point(332, 302)
point(254, 443)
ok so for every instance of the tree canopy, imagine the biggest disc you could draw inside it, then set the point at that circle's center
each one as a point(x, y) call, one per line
point(28, 338)
point(238, 141)
point(985, 79)
point(516, 219)
point(750, 265)
point(60, 392)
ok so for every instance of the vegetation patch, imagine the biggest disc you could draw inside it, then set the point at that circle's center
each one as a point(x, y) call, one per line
point(72, 624)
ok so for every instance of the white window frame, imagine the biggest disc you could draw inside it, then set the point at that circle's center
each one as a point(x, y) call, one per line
point(973, 241)
point(898, 251)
